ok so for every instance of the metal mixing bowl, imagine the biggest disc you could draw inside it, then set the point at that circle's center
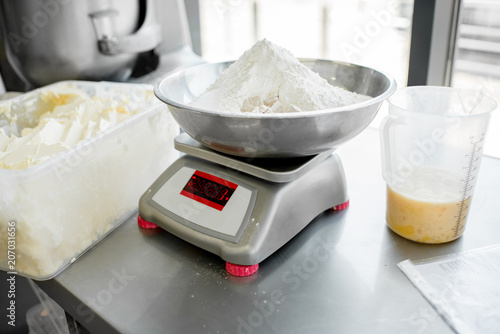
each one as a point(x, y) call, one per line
point(276, 134)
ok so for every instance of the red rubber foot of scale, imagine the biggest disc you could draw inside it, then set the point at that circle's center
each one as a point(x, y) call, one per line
point(144, 223)
point(342, 206)
point(241, 271)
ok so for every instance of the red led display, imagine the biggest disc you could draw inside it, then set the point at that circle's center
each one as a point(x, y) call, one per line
point(209, 190)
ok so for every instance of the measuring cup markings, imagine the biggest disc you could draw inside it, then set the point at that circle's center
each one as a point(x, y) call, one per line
point(471, 169)
point(472, 166)
point(462, 217)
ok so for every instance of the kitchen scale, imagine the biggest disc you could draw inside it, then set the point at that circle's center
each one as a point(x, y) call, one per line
point(241, 209)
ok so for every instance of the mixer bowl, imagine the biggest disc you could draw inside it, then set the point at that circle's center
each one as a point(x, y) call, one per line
point(49, 41)
point(276, 135)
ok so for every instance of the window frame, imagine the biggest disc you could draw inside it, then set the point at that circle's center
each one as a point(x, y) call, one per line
point(433, 37)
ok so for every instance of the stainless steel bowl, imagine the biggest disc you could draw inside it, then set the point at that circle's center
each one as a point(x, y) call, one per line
point(276, 135)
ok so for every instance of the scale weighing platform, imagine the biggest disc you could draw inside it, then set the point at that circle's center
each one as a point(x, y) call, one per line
point(241, 209)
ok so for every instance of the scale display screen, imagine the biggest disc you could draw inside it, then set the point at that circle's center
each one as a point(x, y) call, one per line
point(209, 190)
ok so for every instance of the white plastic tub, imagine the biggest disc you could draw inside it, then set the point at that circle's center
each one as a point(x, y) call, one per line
point(61, 207)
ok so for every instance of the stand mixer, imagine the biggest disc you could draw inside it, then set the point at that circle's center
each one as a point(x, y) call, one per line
point(44, 41)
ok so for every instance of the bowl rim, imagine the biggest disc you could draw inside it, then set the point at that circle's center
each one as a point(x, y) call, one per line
point(300, 114)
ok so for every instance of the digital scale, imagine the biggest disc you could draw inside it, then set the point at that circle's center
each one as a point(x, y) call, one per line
point(241, 209)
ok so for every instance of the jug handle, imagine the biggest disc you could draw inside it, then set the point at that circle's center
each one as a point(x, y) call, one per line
point(387, 148)
point(146, 38)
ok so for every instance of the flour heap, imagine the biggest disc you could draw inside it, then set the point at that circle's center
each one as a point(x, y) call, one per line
point(269, 79)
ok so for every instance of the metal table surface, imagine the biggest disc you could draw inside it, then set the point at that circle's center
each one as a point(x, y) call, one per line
point(339, 275)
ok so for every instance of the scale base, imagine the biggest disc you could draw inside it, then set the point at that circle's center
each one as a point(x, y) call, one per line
point(231, 268)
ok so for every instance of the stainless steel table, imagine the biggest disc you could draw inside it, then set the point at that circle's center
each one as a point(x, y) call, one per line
point(339, 275)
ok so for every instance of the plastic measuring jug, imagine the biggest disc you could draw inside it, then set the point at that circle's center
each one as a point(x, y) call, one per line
point(432, 144)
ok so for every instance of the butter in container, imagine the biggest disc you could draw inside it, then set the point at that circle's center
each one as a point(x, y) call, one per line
point(75, 157)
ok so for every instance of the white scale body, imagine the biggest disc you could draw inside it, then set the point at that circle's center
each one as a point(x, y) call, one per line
point(241, 210)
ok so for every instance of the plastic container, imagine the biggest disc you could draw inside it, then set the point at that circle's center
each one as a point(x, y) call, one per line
point(432, 145)
point(47, 317)
point(61, 207)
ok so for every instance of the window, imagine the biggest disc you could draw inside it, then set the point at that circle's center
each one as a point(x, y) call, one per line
point(373, 33)
point(476, 61)
point(455, 42)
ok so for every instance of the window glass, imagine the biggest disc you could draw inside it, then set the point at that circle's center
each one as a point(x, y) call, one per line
point(476, 62)
point(373, 33)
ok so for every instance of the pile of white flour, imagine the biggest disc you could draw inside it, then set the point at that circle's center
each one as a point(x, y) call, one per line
point(269, 79)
